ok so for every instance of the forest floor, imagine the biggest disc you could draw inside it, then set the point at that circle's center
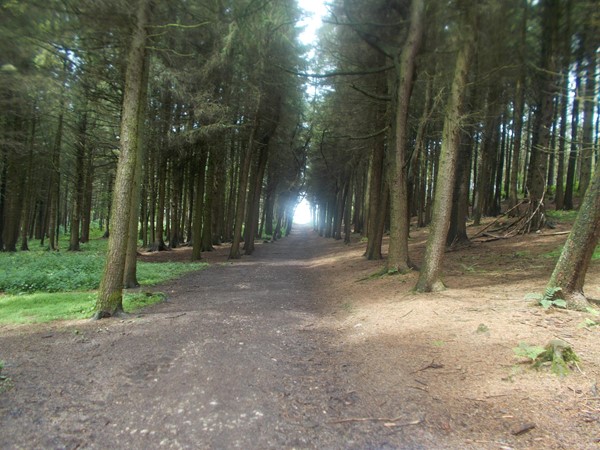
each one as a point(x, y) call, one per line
point(299, 346)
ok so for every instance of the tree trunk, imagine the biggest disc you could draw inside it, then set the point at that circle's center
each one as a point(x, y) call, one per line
point(457, 232)
point(590, 100)
point(209, 197)
point(484, 190)
point(199, 206)
point(55, 183)
point(429, 278)
point(571, 268)
point(254, 197)
point(130, 280)
point(560, 171)
point(348, 212)
point(574, 150)
point(29, 188)
point(398, 259)
point(3, 175)
point(86, 215)
point(78, 185)
point(538, 163)
point(110, 293)
point(377, 187)
point(234, 252)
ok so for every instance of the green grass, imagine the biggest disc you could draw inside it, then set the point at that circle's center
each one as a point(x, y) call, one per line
point(44, 271)
point(41, 286)
point(46, 307)
point(155, 273)
point(562, 216)
point(554, 254)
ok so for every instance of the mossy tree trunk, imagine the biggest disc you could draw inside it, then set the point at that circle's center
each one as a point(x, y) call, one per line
point(571, 268)
point(429, 278)
point(110, 293)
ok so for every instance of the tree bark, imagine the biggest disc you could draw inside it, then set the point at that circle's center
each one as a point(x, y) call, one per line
point(574, 149)
point(234, 252)
point(130, 280)
point(590, 100)
point(110, 293)
point(377, 188)
point(457, 232)
point(208, 206)
point(199, 206)
point(405, 63)
point(571, 268)
point(54, 188)
point(538, 163)
point(78, 182)
point(429, 278)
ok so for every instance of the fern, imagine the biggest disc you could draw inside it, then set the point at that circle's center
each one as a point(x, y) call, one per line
point(549, 298)
point(530, 352)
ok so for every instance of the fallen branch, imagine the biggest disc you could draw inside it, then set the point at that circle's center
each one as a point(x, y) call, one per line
point(388, 421)
point(175, 317)
point(431, 365)
point(496, 221)
point(405, 314)
point(523, 429)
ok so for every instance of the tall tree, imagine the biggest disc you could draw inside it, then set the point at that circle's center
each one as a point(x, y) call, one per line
point(429, 278)
point(544, 113)
point(405, 66)
point(110, 294)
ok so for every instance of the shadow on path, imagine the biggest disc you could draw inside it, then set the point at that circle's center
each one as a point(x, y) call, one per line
point(235, 359)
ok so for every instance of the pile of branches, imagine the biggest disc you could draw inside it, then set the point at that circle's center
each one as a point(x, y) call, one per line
point(530, 219)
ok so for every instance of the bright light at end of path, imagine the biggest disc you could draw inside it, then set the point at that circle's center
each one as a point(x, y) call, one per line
point(302, 213)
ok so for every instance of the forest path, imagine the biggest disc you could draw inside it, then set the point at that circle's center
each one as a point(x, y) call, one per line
point(241, 356)
point(300, 346)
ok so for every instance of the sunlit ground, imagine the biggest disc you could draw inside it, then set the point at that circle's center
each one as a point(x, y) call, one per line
point(302, 213)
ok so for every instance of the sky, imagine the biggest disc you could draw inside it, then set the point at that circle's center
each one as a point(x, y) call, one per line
point(315, 9)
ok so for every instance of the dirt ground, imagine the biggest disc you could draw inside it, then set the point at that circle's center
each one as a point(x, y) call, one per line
point(298, 346)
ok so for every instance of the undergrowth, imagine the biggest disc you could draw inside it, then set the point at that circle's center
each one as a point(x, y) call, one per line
point(562, 216)
point(549, 298)
point(556, 253)
point(557, 355)
point(44, 271)
point(41, 285)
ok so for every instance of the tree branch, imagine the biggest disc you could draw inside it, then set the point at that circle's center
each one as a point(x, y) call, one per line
point(338, 73)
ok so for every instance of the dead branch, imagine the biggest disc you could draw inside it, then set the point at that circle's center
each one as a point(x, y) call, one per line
point(496, 221)
point(389, 421)
point(431, 365)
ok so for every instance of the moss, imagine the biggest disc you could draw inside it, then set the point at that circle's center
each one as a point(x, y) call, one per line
point(559, 355)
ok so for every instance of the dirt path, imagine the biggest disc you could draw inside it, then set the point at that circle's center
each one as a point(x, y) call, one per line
point(289, 349)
